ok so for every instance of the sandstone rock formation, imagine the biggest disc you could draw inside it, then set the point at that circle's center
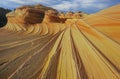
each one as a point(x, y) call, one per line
point(29, 14)
point(107, 21)
point(78, 48)
point(22, 17)
point(112, 12)
point(51, 16)
point(72, 15)
point(61, 15)
point(38, 6)
point(69, 15)
point(77, 15)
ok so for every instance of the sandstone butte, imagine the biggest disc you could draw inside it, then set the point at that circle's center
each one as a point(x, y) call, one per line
point(39, 42)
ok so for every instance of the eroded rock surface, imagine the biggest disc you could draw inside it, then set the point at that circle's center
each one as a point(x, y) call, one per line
point(62, 46)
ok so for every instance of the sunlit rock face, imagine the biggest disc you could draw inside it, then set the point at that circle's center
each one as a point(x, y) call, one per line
point(107, 21)
point(61, 46)
point(51, 16)
point(25, 16)
point(30, 14)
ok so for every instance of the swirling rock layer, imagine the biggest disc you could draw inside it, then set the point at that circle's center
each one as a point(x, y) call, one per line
point(73, 49)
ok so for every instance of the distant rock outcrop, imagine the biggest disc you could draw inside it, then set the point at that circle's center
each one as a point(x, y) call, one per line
point(72, 15)
point(69, 15)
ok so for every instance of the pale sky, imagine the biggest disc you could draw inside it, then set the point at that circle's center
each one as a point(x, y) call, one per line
point(89, 6)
